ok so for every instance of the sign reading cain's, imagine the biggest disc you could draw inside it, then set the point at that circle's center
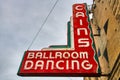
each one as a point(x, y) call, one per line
point(77, 58)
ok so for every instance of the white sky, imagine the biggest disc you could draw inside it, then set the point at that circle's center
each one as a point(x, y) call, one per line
point(19, 22)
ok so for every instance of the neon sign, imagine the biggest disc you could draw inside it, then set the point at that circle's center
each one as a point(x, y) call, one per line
point(77, 58)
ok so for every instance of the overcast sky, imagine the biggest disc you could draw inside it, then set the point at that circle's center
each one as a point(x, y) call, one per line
point(19, 23)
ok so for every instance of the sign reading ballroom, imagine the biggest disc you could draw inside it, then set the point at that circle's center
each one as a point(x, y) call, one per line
point(77, 58)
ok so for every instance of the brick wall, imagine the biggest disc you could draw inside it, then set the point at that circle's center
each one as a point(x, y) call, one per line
point(106, 16)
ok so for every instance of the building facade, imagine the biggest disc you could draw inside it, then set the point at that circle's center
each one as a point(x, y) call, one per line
point(106, 30)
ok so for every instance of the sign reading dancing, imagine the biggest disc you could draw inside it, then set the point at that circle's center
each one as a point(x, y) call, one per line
point(77, 58)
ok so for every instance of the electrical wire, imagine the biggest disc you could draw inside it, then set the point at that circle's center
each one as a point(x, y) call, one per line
point(42, 25)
